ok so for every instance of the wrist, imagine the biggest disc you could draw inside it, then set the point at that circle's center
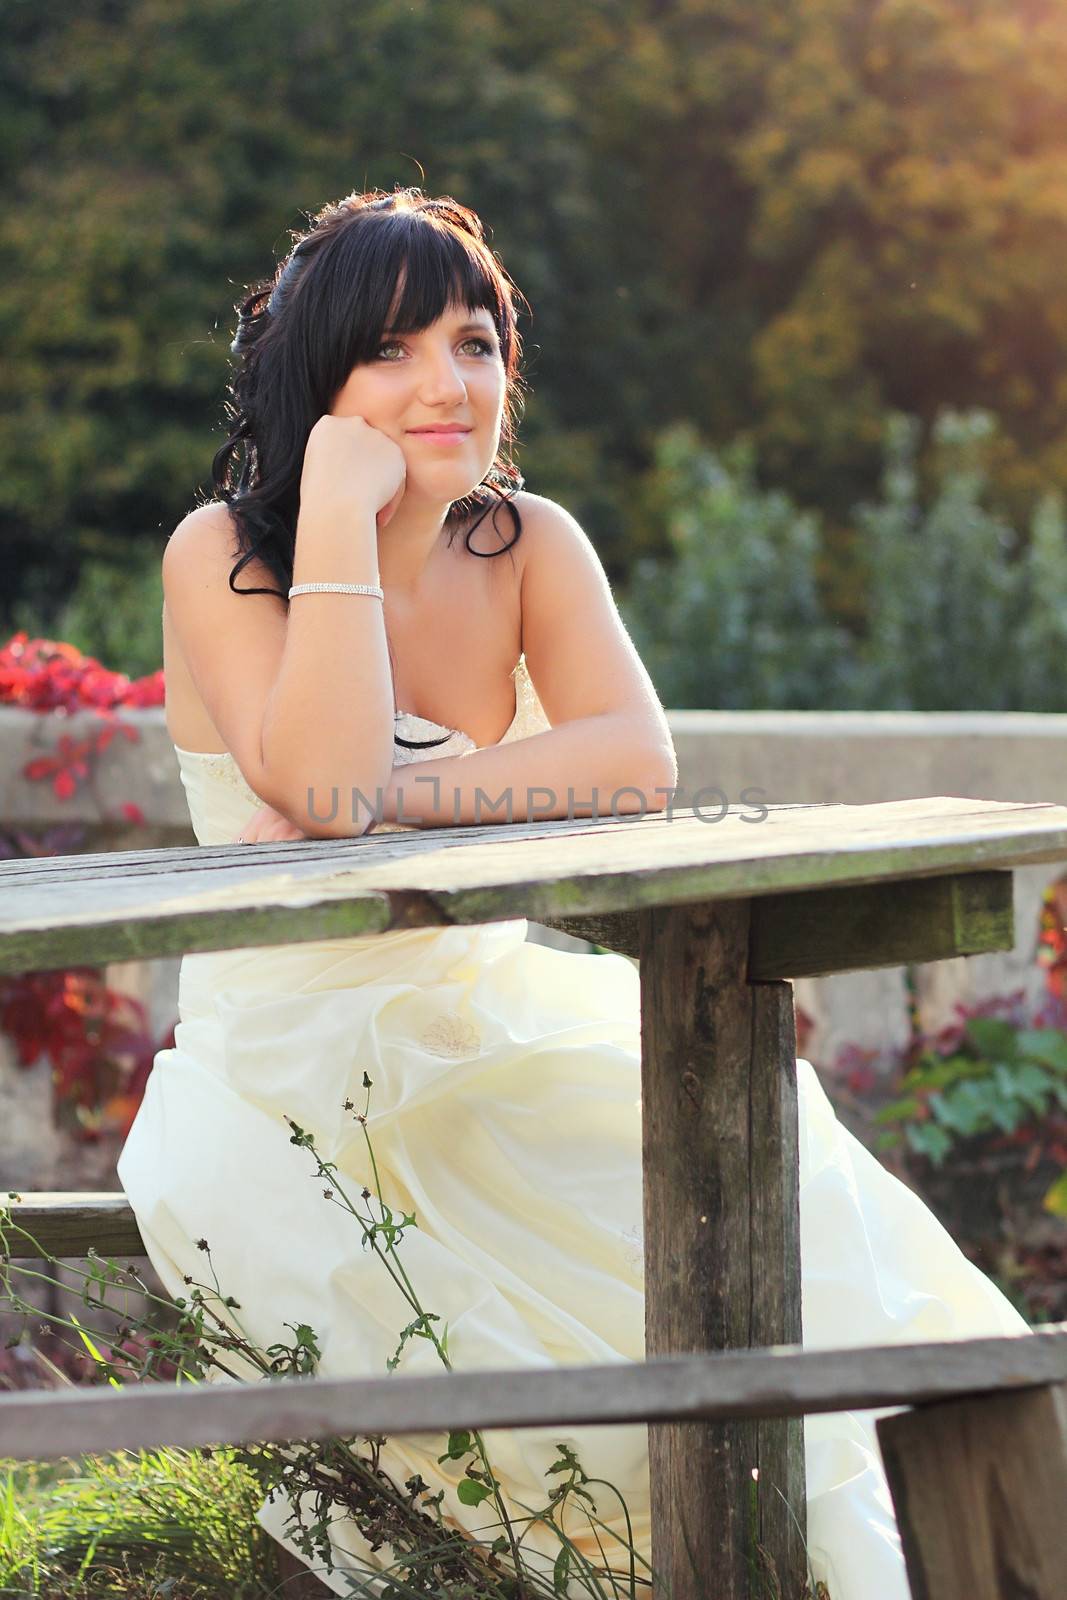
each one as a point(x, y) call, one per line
point(338, 521)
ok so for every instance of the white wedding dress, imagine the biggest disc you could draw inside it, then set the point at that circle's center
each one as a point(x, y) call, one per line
point(505, 1113)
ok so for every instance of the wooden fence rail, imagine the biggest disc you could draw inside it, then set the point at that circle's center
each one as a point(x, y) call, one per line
point(782, 1381)
point(719, 917)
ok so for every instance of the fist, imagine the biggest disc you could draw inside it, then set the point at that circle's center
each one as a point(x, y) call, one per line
point(268, 826)
point(350, 465)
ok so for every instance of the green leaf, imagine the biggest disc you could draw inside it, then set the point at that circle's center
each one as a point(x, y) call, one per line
point(899, 1108)
point(1033, 1084)
point(1055, 1199)
point(560, 1570)
point(994, 1037)
point(957, 1110)
point(1046, 1045)
point(94, 1352)
point(472, 1493)
point(934, 1072)
point(929, 1140)
point(459, 1444)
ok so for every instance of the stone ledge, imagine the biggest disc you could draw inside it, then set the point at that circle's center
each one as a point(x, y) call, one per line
point(851, 757)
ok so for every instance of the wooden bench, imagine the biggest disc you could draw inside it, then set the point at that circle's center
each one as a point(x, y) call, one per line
point(719, 914)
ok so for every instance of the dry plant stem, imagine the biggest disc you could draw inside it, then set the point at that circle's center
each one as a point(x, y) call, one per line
point(188, 1348)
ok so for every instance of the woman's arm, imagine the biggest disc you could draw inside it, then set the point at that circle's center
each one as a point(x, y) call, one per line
point(609, 731)
point(602, 765)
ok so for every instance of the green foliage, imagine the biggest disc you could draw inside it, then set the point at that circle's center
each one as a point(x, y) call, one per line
point(1000, 1078)
point(959, 612)
point(144, 1524)
point(112, 614)
point(735, 619)
point(786, 219)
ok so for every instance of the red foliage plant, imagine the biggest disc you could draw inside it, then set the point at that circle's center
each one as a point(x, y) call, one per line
point(48, 676)
point(97, 1039)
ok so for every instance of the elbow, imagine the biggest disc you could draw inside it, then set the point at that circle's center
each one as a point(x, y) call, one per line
point(332, 810)
point(662, 776)
point(647, 780)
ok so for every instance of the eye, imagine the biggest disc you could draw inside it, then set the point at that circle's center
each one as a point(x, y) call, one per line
point(487, 348)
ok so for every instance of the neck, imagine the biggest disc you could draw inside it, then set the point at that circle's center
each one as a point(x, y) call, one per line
point(409, 539)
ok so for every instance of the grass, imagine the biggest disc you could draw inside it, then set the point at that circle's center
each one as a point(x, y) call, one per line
point(167, 1523)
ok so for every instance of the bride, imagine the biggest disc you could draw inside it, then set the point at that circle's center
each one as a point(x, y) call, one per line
point(407, 612)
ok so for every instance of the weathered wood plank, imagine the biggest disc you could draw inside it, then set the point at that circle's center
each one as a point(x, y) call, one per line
point(265, 894)
point(68, 1224)
point(774, 1207)
point(823, 931)
point(722, 1238)
point(979, 1486)
point(40, 1425)
point(614, 930)
point(818, 931)
point(140, 936)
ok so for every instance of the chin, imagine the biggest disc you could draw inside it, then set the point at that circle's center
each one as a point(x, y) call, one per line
point(448, 482)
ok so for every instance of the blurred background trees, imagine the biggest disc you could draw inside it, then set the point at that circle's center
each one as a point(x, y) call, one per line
point(797, 350)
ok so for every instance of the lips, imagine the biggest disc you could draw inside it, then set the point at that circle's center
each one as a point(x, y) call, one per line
point(446, 427)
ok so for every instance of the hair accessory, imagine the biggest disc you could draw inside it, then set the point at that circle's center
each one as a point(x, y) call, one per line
point(337, 588)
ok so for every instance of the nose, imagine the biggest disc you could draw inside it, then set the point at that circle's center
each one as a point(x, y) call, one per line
point(442, 382)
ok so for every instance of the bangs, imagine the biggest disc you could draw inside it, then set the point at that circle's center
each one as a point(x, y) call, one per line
point(435, 271)
point(431, 267)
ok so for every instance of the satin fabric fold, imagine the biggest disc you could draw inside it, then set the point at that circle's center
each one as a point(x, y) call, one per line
point(505, 1113)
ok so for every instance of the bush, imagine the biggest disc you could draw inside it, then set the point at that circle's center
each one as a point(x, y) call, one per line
point(113, 614)
point(733, 619)
point(957, 611)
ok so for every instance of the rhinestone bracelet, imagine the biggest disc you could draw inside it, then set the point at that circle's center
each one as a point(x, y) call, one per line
point(337, 588)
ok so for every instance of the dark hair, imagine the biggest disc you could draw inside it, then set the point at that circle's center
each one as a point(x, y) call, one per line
point(300, 333)
point(324, 310)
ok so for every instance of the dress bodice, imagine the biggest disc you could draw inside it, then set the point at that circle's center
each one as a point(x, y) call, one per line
point(221, 801)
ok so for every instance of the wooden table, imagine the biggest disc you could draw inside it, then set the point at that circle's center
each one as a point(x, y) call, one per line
point(720, 913)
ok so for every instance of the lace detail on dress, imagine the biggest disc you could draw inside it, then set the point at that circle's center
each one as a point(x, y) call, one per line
point(529, 718)
point(224, 768)
point(529, 713)
point(634, 1247)
point(451, 1035)
point(409, 726)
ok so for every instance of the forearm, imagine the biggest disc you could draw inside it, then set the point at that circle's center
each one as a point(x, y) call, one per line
point(328, 724)
point(601, 765)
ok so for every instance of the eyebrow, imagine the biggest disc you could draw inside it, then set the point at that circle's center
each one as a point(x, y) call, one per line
point(466, 327)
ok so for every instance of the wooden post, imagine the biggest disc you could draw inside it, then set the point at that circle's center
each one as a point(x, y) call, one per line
point(722, 1246)
point(979, 1486)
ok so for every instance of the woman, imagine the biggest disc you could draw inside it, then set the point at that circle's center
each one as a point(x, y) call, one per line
point(367, 470)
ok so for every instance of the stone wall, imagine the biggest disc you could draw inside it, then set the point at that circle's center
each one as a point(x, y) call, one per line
point(841, 757)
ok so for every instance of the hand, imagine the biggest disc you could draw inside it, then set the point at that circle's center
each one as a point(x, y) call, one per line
point(350, 465)
point(268, 825)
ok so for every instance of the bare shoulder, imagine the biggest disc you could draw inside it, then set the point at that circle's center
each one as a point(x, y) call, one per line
point(538, 511)
point(555, 536)
point(223, 645)
point(198, 559)
point(560, 562)
point(205, 541)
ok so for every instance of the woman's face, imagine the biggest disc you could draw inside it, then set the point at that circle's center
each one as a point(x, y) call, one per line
point(451, 372)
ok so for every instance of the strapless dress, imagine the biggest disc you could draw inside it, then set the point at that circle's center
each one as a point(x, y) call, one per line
point(505, 1114)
